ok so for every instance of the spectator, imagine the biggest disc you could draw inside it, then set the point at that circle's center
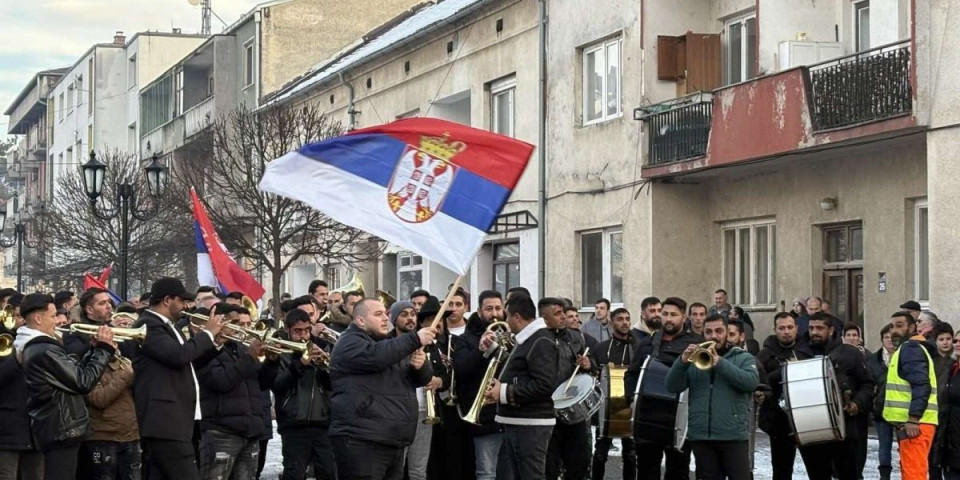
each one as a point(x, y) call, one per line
point(912, 307)
point(597, 326)
point(720, 305)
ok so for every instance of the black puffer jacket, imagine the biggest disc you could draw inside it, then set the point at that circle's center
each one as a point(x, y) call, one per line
point(950, 413)
point(56, 385)
point(302, 392)
point(530, 377)
point(470, 366)
point(14, 421)
point(670, 350)
point(374, 387)
point(878, 371)
point(773, 420)
point(230, 392)
point(850, 367)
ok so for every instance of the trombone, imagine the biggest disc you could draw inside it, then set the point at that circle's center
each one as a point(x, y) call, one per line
point(702, 357)
point(119, 334)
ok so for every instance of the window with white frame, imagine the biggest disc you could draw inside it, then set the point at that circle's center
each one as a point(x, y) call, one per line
point(178, 80)
point(502, 106)
point(409, 274)
point(601, 265)
point(922, 251)
point(132, 72)
point(506, 266)
point(861, 25)
point(71, 99)
point(749, 262)
point(601, 81)
point(248, 64)
point(63, 107)
point(332, 276)
point(741, 49)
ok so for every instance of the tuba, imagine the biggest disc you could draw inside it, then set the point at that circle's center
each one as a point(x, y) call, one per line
point(6, 345)
point(503, 343)
point(702, 357)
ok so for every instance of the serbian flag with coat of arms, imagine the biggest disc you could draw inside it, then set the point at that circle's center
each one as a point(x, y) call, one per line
point(428, 185)
point(215, 266)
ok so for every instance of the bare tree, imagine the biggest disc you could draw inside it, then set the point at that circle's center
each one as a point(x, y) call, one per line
point(76, 241)
point(272, 231)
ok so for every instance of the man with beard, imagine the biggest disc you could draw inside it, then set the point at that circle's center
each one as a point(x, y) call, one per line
point(649, 319)
point(470, 364)
point(719, 404)
point(778, 349)
point(910, 404)
point(856, 386)
point(665, 346)
point(617, 351)
point(374, 404)
point(569, 448)
point(95, 309)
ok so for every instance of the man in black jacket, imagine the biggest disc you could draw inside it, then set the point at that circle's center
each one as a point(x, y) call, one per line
point(470, 365)
point(523, 393)
point(230, 403)
point(95, 309)
point(302, 392)
point(165, 386)
point(618, 351)
point(856, 386)
point(18, 453)
point(56, 384)
point(374, 406)
point(439, 436)
point(650, 321)
point(665, 345)
point(778, 349)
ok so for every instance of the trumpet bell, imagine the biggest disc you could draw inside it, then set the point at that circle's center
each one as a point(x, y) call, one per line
point(385, 298)
point(702, 357)
point(8, 318)
point(251, 306)
point(6, 345)
point(354, 285)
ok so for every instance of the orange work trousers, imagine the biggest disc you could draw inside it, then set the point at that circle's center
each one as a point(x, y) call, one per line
point(914, 453)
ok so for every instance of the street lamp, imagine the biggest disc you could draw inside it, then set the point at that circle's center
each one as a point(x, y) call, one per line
point(19, 239)
point(125, 205)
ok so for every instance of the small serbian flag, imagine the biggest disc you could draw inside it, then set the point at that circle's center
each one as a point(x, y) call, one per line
point(428, 185)
point(90, 281)
point(215, 267)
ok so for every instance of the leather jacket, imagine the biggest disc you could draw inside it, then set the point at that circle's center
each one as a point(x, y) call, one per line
point(302, 392)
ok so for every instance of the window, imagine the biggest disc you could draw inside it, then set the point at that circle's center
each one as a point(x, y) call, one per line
point(922, 252)
point(93, 85)
point(601, 81)
point(132, 138)
point(749, 262)
point(502, 109)
point(248, 64)
point(861, 25)
point(506, 267)
point(741, 52)
point(332, 274)
point(132, 72)
point(71, 97)
point(409, 274)
point(178, 91)
point(63, 107)
point(601, 266)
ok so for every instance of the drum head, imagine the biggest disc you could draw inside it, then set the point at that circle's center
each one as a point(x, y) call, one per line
point(812, 401)
point(580, 387)
point(681, 423)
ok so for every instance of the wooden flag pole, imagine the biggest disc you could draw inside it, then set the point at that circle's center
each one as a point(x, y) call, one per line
point(446, 301)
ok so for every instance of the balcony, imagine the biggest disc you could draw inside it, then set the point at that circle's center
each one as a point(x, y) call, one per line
point(861, 88)
point(198, 117)
point(678, 131)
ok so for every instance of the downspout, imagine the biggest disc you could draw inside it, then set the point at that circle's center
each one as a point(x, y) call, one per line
point(258, 45)
point(351, 108)
point(541, 149)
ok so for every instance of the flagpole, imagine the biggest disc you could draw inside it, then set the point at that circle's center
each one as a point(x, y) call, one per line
point(446, 301)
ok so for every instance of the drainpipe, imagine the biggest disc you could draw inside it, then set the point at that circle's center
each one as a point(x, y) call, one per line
point(542, 150)
point(257, 47)
point(351, 108)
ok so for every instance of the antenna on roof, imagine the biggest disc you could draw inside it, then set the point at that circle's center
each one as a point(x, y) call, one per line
point(204, 15)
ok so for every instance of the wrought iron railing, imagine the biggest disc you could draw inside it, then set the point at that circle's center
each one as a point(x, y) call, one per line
point(860, 88)
point(680, 133)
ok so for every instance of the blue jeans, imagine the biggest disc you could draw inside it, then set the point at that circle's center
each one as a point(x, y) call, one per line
point(487, 449)
point(523, 454)
point(885, 435)
point(227, 456)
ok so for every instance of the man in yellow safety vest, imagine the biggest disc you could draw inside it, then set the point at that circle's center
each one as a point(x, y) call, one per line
point(910, 403)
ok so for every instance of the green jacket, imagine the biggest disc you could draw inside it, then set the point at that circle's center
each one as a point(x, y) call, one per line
point(719, 397)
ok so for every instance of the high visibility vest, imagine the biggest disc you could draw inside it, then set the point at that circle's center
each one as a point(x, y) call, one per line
point(896, 403)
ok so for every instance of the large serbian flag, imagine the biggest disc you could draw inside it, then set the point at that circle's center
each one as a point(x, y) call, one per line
point(428, 185)
point(215, 267)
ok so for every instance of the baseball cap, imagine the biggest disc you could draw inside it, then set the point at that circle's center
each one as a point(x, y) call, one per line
point(169, 287)
point(911, 305)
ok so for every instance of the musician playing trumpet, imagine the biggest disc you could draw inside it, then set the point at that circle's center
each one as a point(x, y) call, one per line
point(721, 380)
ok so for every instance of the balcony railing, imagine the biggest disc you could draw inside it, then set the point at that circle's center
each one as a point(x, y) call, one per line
point(860, 88)
point(678, 133)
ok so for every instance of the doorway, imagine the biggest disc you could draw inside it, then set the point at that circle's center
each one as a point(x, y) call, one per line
point(843, 270)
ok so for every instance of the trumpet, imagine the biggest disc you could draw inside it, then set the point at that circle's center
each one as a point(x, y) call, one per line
point(702, 357)
point(129, 318)
point(7, 317)
point(451, 399)
point(431, 401)
point(196, 319)
point(503, 342)
point(279, 346)
point(6, 345)
point(331, 336)
point(119, 334)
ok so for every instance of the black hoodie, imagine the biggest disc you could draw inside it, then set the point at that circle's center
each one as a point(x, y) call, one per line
point(770, 361)
point(853, 378)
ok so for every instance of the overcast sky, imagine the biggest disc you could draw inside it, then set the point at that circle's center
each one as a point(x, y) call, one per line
point(41, 34)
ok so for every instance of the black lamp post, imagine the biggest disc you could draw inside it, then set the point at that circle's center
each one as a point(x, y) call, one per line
point(19, 239)
point(126, 203)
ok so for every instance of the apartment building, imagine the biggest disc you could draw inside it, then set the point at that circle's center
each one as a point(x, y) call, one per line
point(473, 62)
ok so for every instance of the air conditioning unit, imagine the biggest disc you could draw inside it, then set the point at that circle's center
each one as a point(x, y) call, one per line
point(796, 53)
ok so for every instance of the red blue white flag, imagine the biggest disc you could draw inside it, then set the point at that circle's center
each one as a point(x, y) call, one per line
point(215, 266)
point(428, 185)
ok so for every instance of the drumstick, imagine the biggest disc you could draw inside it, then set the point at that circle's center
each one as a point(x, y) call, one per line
point(575, 372)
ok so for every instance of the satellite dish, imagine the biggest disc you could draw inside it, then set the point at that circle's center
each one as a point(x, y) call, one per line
point(194, 2)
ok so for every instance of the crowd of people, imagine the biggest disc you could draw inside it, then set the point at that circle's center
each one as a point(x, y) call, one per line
point(186, 385)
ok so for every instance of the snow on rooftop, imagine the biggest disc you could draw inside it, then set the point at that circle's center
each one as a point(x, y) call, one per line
point(406, 30)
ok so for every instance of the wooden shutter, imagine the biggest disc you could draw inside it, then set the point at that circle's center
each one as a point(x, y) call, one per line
point(702, 62)
point(669, 50)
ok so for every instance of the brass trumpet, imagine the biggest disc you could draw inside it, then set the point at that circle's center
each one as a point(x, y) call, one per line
point(8, 318)
point(279, 346)
point(702, 357)
point(503, 343)
point(119, 334)
point(6, 345)
point(196, 319)
point(130, 317)
point(431, 401)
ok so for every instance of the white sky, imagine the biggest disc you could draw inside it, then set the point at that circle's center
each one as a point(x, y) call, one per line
point(42, 34)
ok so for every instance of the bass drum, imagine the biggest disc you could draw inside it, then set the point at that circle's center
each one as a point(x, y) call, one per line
point(658, 416)
point(579, 402)
point(615, 413)
point(812, 401)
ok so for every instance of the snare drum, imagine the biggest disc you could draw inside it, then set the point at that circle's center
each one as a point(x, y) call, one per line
point(579, 402)
point(615, 412)
point(658, 416)
point(812, 401)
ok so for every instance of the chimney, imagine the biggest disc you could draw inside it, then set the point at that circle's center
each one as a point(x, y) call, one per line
point(176, 31)
point(119, 39)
